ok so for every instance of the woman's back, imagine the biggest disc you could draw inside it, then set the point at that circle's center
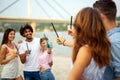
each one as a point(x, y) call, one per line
point(93, 72)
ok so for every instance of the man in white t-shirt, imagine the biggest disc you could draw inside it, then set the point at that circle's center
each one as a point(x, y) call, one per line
point(29, 50)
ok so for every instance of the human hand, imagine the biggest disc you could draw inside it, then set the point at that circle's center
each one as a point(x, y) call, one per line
point(70, 32)
point(50, 63)
point(49, 45)
point(13, 56)
point(60, 40)
point(20, 41)
point(27, 52)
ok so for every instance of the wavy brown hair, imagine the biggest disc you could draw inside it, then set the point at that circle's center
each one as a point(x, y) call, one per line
point(90, 31)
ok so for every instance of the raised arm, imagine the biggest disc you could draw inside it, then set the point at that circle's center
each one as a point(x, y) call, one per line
point(23, 54)
point(64, 42)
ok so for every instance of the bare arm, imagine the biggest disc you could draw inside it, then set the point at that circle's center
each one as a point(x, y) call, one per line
point(49, 50)
point(3, 59)
point(64, 42)
point(68, 43)
point(23, 56)
point(2, 53)
point(22, 53)
point(82, 61)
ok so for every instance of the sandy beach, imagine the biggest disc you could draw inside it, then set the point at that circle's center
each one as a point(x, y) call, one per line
point(61, 67)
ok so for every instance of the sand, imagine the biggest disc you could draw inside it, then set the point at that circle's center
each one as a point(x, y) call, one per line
point(61, 67)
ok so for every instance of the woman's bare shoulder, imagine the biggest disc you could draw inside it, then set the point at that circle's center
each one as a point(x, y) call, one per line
point(85, 48)
point(3, 47)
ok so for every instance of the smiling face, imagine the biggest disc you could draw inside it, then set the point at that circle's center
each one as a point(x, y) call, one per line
point(43, 44)
point(11, 36)
point(28, 34)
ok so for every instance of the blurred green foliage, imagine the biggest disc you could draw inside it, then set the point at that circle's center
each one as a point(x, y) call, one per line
point(39, 26)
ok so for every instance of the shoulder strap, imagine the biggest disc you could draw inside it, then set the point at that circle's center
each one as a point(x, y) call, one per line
point(15, 46)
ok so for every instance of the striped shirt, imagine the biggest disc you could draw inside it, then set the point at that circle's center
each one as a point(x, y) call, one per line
point(93, 72)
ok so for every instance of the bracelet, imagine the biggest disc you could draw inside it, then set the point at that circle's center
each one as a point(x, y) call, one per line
point(64, 42)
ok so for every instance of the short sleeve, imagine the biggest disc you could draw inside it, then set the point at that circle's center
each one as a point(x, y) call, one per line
point(21, 49)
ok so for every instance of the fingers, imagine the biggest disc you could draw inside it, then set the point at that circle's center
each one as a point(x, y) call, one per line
point(27, 52)
point(49, 45)
point(20, 41)
point(14, 56)
point(70, 32)
point(60, 40)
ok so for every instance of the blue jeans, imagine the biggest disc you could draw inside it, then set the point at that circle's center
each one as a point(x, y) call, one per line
point(34, 75)
point(47, 75)
point(108, 74)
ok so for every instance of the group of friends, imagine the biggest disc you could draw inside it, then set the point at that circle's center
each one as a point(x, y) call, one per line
point(96, 48)
point(33, 53)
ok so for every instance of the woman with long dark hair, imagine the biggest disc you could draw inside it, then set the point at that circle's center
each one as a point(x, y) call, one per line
point(9, 56)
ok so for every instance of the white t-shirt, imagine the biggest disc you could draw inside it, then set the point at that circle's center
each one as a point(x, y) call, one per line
point(31, 63)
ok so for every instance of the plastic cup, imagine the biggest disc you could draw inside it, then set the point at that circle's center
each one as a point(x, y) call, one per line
point(12, 52)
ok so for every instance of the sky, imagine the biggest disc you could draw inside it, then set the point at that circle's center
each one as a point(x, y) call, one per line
point(46, 9)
